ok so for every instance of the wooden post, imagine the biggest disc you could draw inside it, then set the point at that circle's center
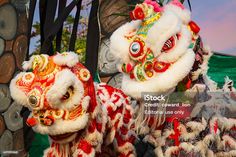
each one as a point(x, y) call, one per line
point(13, 49)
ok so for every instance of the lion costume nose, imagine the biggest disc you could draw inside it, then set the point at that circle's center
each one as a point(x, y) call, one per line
point(48, 120)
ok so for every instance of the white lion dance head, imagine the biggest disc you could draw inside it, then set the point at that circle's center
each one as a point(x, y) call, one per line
point(158, 49)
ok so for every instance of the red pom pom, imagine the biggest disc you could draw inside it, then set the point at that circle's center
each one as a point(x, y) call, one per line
point(31, 122)
point(194, 27)
point(138, 13)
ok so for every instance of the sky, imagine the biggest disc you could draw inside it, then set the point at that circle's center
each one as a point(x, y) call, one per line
point(217, 19)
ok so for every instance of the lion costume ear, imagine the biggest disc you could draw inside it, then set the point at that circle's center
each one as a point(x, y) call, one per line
point(39, 61)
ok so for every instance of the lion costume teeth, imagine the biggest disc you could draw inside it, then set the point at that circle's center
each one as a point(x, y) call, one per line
point(71, 109)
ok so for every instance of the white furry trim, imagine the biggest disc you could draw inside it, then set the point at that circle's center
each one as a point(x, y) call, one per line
point(196, 125)
point(85, 102)
point(230, 141)
point(208, 138)
point(197, 88)
point(196, 128)
point(185, 14)
point(81, 152)
point(167, 26)
point(94, 138)
point(181, 46)
point(226, 124)
point(69, 59)
point(231, 153)
point(229, 85)
point(171, 150)
point(162, 82)
point(188, 147)
point(63, 126)
point(158, 151)
point(212, 85)
point(119, 46)
point(127, 147)
point(152, 140)
point(18, 95)
point(110, 136)
point(210, 153)
point(63, 81)
point(185, 135)
point(204, 66)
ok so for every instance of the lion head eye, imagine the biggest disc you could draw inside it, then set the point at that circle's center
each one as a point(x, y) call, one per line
point(33, 101)
point(136, 49)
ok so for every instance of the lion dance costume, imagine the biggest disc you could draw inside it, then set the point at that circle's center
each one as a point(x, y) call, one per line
point(78, 116)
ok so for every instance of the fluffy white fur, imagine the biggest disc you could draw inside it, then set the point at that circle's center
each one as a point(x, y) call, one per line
point(17, 94)
point(171, 150)
point(231, 153)
point(63, 81)
point(158, 151)
point(69, 59)
point(204, 66)
point(225, 123)
point(230, 141)
point(210, 83)
point(185, 14)
point(85, 102)
point(168, 25)
point(95, 138)
point(61, 127)
point(119, 46)
point(185, 135)
point(188, 147)
point(110, 136)
point(196, 125)
point(180, 48)
point(162, 82)
point(127, 147)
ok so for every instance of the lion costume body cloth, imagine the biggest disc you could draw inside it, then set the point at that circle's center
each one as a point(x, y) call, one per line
point(79, 116)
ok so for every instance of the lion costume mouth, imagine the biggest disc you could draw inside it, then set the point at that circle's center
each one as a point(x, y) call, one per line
point(170, 43)
point(49, 116)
